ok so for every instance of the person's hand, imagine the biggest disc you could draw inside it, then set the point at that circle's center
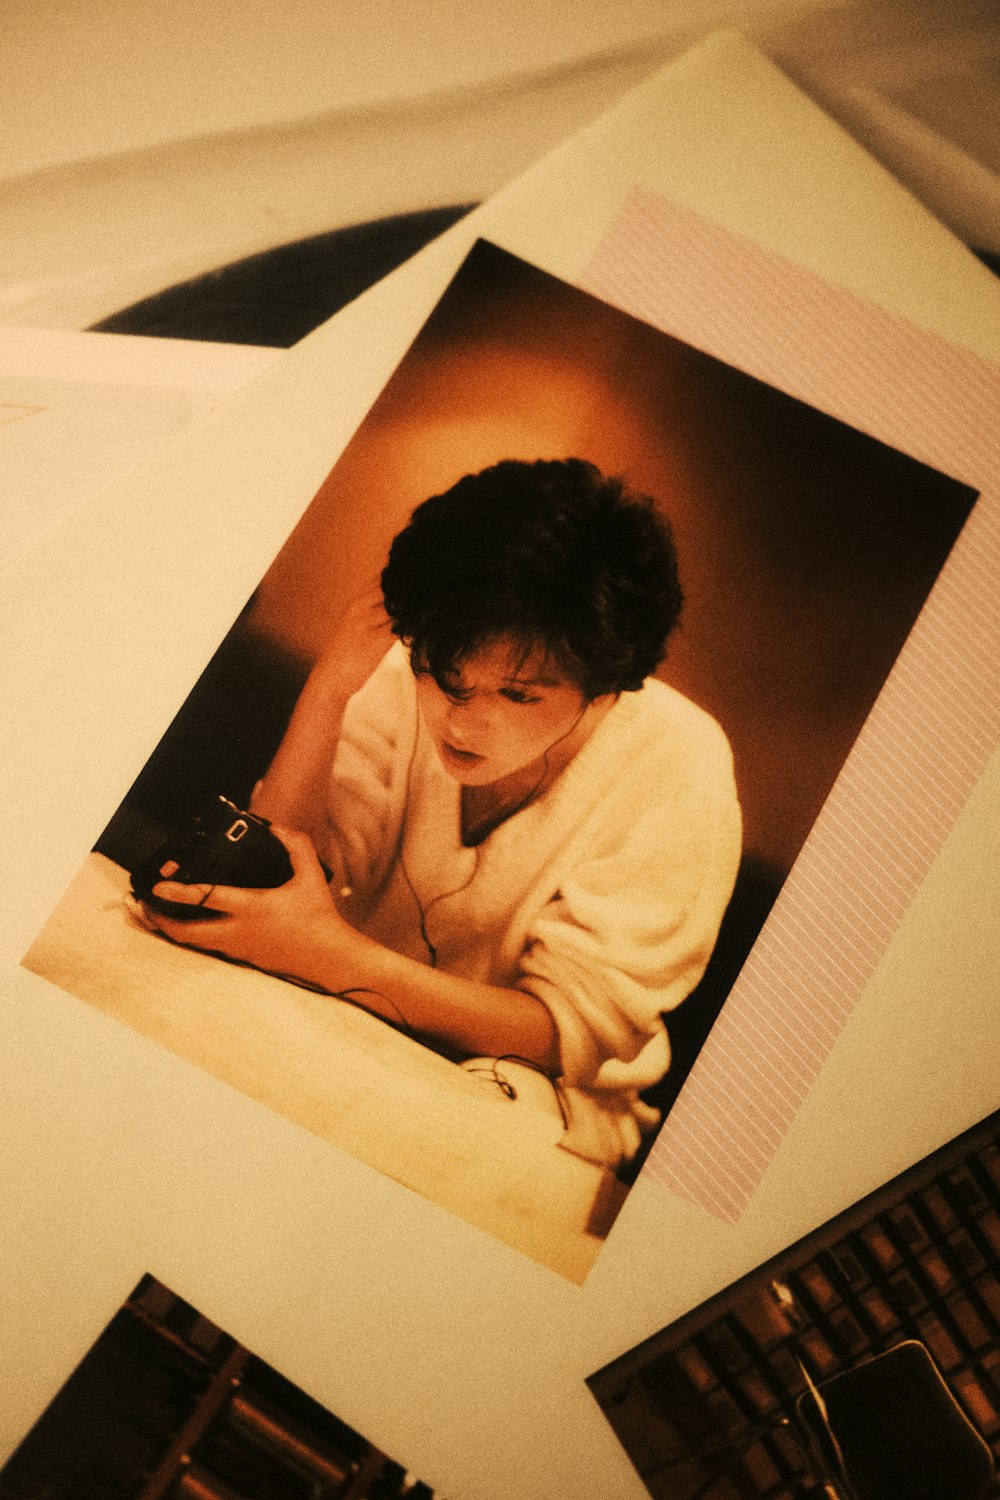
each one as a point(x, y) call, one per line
point(293, 929)
point(357, 645)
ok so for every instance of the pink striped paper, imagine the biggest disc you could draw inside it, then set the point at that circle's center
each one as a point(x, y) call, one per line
point(935, 724)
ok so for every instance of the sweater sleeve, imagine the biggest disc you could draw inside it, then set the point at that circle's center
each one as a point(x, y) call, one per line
point(629, 932)
point(367, 789)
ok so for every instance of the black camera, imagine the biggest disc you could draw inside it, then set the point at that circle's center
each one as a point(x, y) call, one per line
point(224, 846)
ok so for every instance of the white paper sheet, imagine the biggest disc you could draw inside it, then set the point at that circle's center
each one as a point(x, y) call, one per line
point(79, 410)
point(458, 1356)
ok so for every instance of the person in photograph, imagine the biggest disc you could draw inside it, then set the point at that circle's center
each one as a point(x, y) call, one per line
point(532, 840)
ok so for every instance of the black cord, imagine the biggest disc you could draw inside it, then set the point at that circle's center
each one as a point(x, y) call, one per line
point(422, 910)
point(348, 996)
point(508, 1089)
point(492, 1072)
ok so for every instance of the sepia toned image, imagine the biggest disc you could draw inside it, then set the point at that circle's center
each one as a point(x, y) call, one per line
point(862, 1363)
point(165, 1405)
point(543, 696)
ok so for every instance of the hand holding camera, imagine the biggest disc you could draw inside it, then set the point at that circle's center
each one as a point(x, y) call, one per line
point(224, 846)
point(270, 907)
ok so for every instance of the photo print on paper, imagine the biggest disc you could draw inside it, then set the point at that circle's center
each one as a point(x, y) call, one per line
point(165, 1405)
point(519, 815)
point(863, 1360)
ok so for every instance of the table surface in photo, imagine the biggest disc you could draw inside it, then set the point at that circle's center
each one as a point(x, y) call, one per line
point(449, 1134)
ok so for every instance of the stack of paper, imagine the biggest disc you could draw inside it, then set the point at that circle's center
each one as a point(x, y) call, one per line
point(715, 289)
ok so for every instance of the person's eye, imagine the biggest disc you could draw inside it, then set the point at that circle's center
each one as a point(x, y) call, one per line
point(518, 695)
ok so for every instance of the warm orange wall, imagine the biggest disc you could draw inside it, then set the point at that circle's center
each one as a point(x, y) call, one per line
point(806, 549)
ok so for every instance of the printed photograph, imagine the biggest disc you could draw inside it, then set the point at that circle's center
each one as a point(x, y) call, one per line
point(167, 1406)
point(456, 848)
point(863, 1363)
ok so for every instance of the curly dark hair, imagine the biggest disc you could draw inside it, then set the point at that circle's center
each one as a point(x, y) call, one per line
point(552, 554)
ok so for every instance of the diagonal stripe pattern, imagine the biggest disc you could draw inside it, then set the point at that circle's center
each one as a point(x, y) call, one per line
point(935, 724)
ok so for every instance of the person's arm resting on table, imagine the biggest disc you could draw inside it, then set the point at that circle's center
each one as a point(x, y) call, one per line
point(295, 930)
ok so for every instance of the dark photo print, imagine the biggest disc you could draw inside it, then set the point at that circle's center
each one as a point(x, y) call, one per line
point(863, 1363)
point(456, 848)
point(167, 1406)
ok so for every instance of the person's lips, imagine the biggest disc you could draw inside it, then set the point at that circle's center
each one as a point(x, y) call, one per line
point(460, 757)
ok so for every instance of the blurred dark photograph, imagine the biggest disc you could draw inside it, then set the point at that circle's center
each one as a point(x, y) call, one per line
point(456, 848)
point(165, 1405)
point(863, 1363)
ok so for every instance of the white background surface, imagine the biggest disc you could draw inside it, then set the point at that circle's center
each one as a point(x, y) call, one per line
point(78, 410)
point(140, 144)
point(119, 1159)
point(84, 81)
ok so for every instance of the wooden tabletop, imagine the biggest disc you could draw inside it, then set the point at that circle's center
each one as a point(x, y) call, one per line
point(448, 1133)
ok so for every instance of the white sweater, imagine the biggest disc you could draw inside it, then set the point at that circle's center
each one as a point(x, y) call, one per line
point(603, 898)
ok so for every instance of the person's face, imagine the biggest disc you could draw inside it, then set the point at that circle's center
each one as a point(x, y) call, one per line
point(500, 713)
